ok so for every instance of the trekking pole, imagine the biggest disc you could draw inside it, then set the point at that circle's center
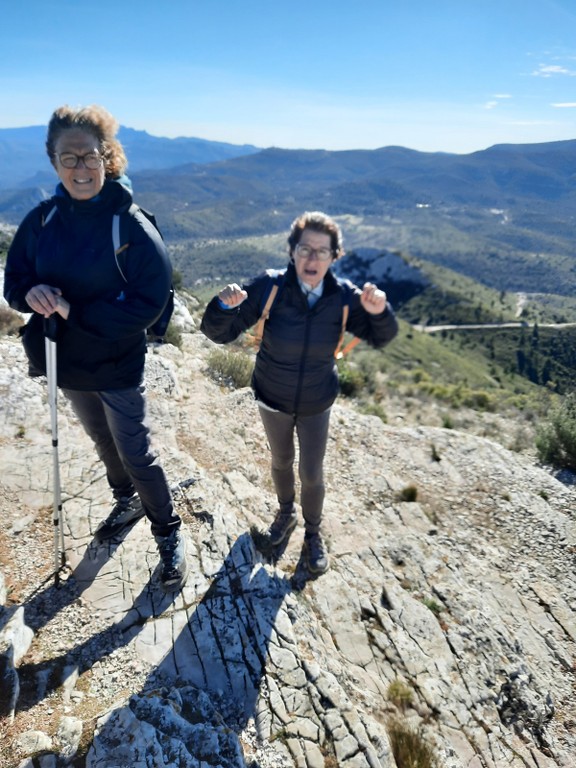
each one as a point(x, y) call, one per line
point(50, 330)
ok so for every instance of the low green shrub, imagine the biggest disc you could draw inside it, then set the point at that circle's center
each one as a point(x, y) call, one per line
point(352, 380)
point(408, 747)
point(409, 493)
point(458, 395)
point(173, 336)
point(556, 440)
point(399, 694)
point(433, 606)
point(230, 367)
point(373, 409)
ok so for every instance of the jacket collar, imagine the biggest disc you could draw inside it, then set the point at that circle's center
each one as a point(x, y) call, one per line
point(114, 194)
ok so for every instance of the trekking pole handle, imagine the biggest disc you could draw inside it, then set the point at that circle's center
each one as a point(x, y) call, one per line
point(51, 327)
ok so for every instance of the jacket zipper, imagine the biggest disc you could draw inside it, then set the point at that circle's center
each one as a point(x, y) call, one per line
point(303, 357)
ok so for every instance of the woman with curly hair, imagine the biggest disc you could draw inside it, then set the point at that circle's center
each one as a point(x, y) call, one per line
point(62, 265)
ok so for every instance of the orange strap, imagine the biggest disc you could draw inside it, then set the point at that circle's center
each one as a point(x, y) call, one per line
point(259, 327)
point(339, 352)
point(348, 348)
point(258, 330)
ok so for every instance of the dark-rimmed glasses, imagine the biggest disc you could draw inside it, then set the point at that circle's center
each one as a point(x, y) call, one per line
point(305, 252)
point(92, 160)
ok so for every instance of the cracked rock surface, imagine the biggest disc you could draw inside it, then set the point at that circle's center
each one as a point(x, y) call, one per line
point(451, 616)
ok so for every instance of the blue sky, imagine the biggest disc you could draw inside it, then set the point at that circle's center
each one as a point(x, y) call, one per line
point(432, 75)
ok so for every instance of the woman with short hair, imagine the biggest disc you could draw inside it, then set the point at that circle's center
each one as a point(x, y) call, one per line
point(295, 378)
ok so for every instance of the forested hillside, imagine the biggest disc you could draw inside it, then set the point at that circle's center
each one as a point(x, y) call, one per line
point(485, 238)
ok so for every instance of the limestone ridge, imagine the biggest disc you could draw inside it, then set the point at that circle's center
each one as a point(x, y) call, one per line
point(453, 614)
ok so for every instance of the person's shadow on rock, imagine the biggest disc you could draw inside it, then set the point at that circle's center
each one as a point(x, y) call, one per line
point(217, 661)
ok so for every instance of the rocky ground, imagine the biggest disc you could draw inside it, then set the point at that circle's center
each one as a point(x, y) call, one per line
point(447, 617)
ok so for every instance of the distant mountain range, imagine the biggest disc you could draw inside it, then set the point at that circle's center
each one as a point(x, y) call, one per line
point(24, 163)
point(503, 216)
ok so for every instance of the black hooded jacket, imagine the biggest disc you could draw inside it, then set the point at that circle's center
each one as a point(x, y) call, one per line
point(295, 370)
point(102, 344)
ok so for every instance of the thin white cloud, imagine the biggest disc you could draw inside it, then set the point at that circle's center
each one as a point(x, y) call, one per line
point(564, 104)
point(495, 100)
point(549, 70)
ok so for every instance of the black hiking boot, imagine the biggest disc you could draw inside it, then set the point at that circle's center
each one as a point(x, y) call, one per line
point(172, 549)
point(127, 510)
point(315, 553)
point(283, 525)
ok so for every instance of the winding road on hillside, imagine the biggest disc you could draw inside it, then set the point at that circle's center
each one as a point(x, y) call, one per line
point(484, 326)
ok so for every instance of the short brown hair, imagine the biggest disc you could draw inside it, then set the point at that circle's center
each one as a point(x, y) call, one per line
point(318, 222)
point(94, 120)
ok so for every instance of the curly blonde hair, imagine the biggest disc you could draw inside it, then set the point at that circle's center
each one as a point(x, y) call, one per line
point(99, 123)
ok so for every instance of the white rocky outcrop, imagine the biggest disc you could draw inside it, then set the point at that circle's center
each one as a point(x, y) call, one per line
point(453, 614)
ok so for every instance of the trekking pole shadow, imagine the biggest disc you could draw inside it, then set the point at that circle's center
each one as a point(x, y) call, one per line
point(42, 605)
point(50, 334)
point(40, 680)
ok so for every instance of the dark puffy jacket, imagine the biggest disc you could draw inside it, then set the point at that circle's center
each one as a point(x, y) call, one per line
point(295, 370)
point(102, 344)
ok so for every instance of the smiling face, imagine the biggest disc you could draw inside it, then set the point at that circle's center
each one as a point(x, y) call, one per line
point(311, 270)
point(81, 183)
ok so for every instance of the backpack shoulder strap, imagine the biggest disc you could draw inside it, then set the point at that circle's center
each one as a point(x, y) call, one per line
point(120, 238)
point(276, 279)
point(258, 331)
point(121, 243)
point(339, 353)
point(47, 211)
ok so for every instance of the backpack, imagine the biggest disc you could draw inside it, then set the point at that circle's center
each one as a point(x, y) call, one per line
point(276, 283)
point(120, 223)
point(121, 243)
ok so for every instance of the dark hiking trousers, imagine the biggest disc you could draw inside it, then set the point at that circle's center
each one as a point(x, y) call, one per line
point(312, 433)
point(115, 420)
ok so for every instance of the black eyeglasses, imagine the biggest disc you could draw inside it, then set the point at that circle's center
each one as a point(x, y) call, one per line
point(92, 160)
point(305, 252)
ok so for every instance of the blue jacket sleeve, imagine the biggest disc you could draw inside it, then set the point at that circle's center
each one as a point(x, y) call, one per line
point(20, 272)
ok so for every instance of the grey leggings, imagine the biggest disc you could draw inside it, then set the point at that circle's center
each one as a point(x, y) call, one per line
point(115, 420)
point(312, 432)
